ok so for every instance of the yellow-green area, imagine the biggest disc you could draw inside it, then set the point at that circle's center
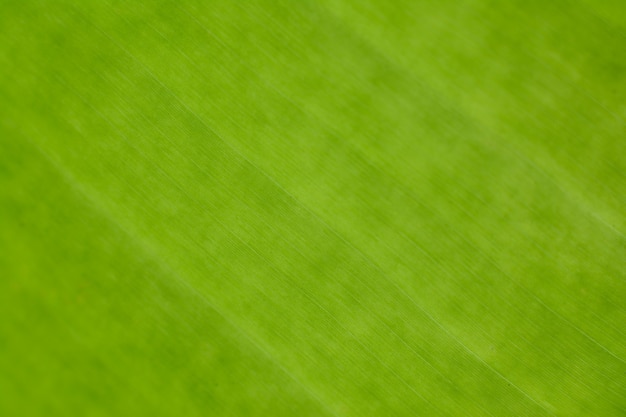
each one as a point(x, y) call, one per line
point(313, 208)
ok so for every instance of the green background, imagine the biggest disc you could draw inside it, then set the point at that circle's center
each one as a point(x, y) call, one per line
point(313, 208)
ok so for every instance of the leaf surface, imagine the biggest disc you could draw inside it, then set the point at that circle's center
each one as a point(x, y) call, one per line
point(333, 207)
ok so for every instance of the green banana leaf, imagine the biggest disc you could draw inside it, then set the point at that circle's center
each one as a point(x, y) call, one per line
point(313, 208)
